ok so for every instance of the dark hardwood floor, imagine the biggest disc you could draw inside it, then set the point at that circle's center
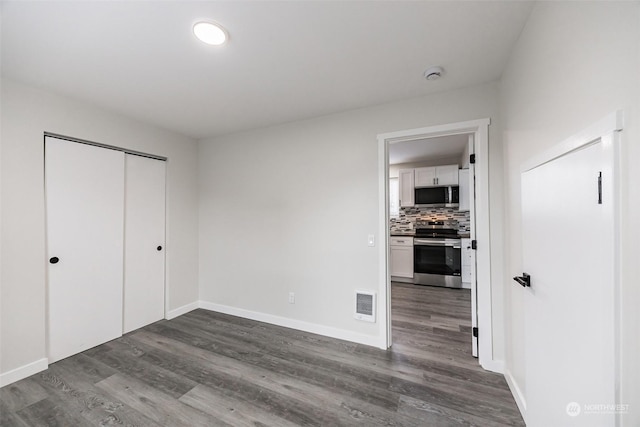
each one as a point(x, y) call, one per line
point(210, 369)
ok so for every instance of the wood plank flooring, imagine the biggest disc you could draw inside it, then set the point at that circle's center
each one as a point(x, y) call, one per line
point(211, 369)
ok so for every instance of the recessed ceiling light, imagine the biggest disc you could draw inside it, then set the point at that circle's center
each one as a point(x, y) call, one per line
point(433, 73)
point(210, 33)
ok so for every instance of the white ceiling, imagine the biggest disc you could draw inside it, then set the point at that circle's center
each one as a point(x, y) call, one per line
point(431, 149)
point(284, 61)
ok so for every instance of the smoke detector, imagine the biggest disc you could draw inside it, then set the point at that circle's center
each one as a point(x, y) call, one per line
point(433, 73)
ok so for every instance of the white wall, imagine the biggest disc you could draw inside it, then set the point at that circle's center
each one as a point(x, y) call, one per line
point(26, 114)
point(289, 208)
point(575, 62)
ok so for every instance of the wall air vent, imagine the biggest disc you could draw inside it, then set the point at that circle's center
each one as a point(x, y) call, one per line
point(365, 306)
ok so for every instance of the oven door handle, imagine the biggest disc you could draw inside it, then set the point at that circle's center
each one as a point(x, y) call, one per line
point(454, 243)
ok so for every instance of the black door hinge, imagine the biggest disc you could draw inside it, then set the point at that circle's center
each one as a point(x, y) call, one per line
point(474, 331)
point(472, 158)
point(474, 244)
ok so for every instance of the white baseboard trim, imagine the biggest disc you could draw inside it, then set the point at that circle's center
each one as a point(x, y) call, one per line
point(496, 366)
point(517, 393)
point(300, 325)
point(23, 372)
point(172, 314)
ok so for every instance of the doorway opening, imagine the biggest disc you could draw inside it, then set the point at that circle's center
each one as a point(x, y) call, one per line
point(476, 135)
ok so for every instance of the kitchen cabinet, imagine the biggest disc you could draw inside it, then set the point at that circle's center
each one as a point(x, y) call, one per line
point(425, 177)
point(401, 259)
point(406, 187)
point(466, 262)
point(436, 176)
point(463, 192)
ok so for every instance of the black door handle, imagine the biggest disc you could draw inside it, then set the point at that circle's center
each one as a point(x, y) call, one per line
point(54, 260)
point(159, 248)
point(524, 280)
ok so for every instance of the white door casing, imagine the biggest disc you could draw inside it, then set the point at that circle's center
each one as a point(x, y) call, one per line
point(144, 265)
point(85, 220)
point(569, 250)
point(478, 130)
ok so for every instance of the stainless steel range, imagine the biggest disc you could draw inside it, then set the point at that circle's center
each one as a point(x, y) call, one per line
point(436, 254)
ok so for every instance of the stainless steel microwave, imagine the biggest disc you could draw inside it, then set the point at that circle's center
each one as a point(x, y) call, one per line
point(437, 197)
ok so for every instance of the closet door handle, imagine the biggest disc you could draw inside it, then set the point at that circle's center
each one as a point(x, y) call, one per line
point(159, 248)
point(54, 260)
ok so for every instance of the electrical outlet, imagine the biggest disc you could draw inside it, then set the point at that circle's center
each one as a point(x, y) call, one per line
point(292, 298)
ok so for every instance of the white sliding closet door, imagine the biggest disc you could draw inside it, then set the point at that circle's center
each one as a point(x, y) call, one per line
point(85, 229)
point(144, 242)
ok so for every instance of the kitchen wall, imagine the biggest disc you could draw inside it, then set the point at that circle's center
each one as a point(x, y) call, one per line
point(288, 209)
point(574, 63)
point(26, 114)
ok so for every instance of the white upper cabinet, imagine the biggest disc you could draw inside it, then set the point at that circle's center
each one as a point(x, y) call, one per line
point(447, 175)
point(406, 187)
point(436, 176)
point(425, 177)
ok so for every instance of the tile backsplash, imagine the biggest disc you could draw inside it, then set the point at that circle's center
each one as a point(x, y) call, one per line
point(407, 219)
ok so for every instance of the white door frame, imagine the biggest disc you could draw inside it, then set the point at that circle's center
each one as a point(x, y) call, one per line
point(480, 130)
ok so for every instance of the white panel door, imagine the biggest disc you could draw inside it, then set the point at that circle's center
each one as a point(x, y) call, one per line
point(471, 191)
point(569, 308)
point(144, 290)
point(85, 228)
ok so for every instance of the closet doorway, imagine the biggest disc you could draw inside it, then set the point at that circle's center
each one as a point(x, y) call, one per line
point(105, 243)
